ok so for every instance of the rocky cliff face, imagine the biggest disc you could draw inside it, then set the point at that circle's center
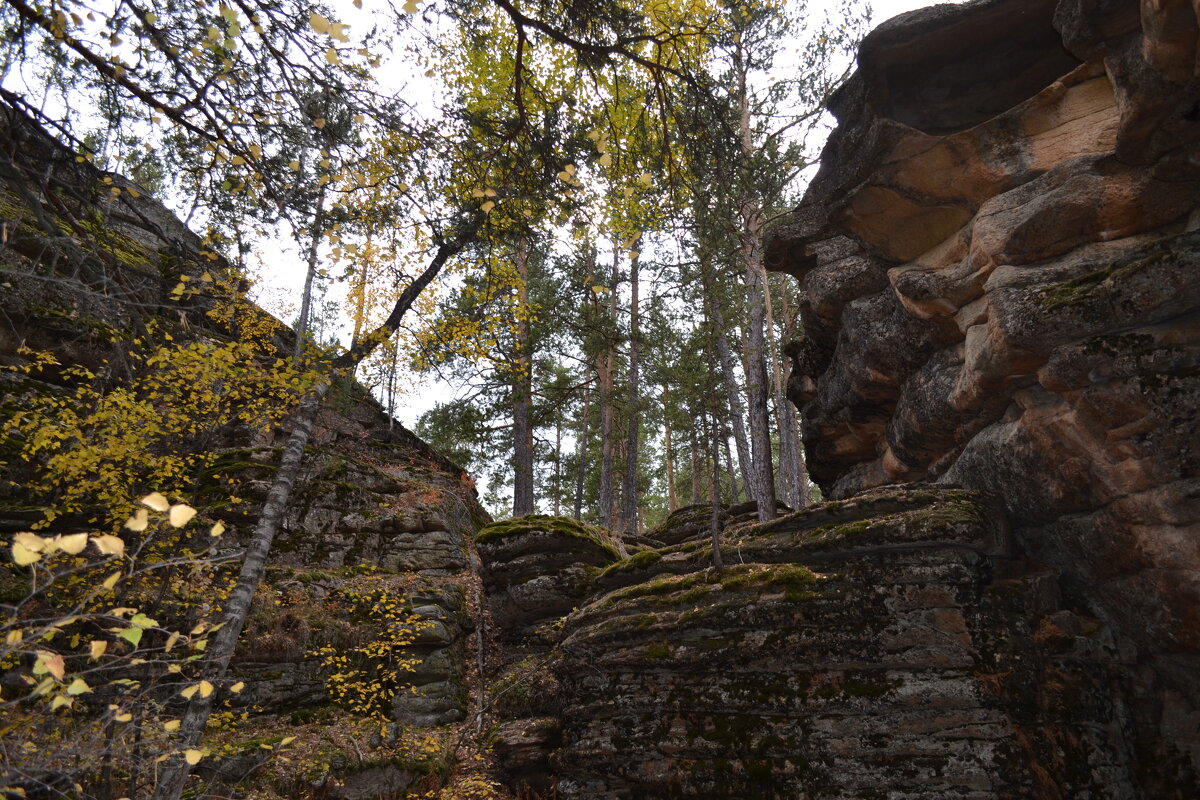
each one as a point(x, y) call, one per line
point(999, 260)
point(378, 532)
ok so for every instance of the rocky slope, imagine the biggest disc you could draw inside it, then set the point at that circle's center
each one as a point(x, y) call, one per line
point(999, 260)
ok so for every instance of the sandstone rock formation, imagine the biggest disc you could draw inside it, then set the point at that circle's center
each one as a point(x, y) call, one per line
point(999, 259)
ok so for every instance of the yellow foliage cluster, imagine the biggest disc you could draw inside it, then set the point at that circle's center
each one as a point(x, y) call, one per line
point(366, 678)
point(87, 665)
point(96, 445)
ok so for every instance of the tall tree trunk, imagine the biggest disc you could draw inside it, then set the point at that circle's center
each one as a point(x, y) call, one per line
point(756, 369)
point(581, 450)
point(633, 414)
point(607, 380)
point(788, 479)
point(523, 503)
point(733, 392)
point(735, 496)
point(318, 230)
point(237, 606)
point(714, 519)
point(558, 468)
point(791, 413)
point(669, 452)
point(694, 452)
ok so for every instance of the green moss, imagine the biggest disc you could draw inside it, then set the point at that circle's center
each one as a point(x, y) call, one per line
point(563, 526)
point(1080, 289)
point(791, 579)
point(633, 563)
point(657, 650)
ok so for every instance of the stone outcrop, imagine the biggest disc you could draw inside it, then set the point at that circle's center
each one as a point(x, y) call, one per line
point(892, 645)
point(536, 569)
point(999, 259)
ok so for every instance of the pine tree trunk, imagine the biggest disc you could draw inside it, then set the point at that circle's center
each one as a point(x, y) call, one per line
point(791, 413)
point(714, 519)
point(694, 452)
point(669, 453)
point(607, 380)
point(733, 392)
point(557, 468)
point(634, 415)
point(302, 323)
point(788, 479)
point(581, 450)
point(735, 496)
point(522, 391)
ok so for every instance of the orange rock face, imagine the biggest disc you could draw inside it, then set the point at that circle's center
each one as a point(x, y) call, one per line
point(1000, 260)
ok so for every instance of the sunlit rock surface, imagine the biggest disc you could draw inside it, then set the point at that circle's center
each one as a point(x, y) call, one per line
point(999, 260)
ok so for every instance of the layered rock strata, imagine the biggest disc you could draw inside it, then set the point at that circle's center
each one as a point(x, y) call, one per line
point(889, 646)
point(998, 260)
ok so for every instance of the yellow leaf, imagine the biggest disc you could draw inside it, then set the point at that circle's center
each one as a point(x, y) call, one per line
point(319, 122)
point(294, 165)
point(156, 502)
point(52, 662)
point(23, 556)
point(98, 647)
point(192, 757)
point(318, 23)
point(139, 521)
point(206, 688)
point(358, 3)
point(60, 701)
point(645, 179)
point(238, 161)
point(411, 7)
point(14, 636)
point(78, 686)
point(488, 206)
point(477, 193)
point(331, 56)
point(111, 580)
point(171, 725)
point(171, 640)
point(30, 541)
point(181, 514)
point(606, 160)
point(217, 530)
point(109, 545)
point(73, 544)
point(124, 716)
point(286, 741)
point(237, 687)
point(191, 690)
